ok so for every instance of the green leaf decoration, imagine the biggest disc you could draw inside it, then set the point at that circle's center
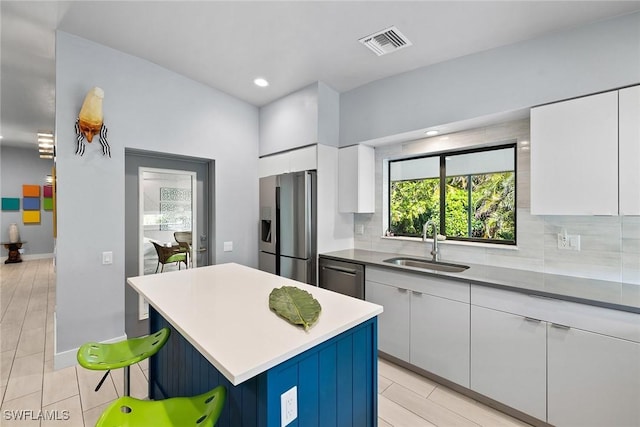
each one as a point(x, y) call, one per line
point(295, 305)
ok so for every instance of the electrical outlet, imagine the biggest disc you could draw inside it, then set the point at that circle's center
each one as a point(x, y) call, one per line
point(569, 242)
point(228, 246)
point(289, 406)
point(360, 229)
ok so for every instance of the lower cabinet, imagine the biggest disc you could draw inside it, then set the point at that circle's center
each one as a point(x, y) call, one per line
point(425, 321)
point(569, 364)
point(508, 359)
point(593, 379)
point(393, 323)
point(440, 336)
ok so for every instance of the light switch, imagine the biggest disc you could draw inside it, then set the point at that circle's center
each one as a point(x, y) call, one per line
point(228, 246)
point(107, 258)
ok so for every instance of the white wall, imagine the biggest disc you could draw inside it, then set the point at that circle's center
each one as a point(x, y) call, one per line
point(20, 166)
point(588, 59)
point(290, 122)
point(146, 107)
point(335, 230)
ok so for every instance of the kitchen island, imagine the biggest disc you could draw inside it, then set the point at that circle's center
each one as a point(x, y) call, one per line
point(223, 332)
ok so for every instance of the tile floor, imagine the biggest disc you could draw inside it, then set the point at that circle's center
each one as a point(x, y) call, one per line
point(28, 381)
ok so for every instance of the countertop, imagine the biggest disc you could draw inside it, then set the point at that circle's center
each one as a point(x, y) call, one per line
point(614, 295)
point(223, 311)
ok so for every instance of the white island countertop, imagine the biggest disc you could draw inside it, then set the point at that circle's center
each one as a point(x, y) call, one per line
point(223, 311)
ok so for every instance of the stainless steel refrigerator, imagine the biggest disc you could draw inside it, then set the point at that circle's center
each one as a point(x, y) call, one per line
point(288, 225)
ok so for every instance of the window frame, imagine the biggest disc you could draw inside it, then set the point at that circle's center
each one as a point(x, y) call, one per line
point(442, 155)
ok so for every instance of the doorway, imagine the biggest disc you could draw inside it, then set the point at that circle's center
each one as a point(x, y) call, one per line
point(166, 198)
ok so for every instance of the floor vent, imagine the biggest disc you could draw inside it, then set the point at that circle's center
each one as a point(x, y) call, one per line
point(385, 41)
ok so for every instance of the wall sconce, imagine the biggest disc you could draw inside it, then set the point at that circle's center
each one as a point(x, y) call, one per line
point(45, 145)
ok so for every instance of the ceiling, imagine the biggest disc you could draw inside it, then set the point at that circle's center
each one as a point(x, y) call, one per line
point(292, 44)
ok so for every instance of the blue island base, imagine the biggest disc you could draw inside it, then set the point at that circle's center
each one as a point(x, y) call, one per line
point(336, 381)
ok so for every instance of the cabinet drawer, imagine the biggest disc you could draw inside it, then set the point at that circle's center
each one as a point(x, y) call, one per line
point(458, 291)
point(614, 323)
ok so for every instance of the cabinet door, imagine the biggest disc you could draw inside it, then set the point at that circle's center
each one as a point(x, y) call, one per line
point(440, 336)
point(356, 179)
point(509, 360)
point(393, 323)
point(593, 379)
point(574, 157)
point(630, 151)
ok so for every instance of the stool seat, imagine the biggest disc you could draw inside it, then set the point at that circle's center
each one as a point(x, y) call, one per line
point(198, 411)
point(100, 357)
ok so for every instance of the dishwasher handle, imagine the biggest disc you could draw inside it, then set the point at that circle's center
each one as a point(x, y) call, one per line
point(349, 271)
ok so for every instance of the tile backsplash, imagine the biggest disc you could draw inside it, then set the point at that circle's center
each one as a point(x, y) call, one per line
point(609, 246)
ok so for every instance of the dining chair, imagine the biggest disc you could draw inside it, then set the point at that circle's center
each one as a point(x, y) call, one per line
point(167, 255)
point(184, 239)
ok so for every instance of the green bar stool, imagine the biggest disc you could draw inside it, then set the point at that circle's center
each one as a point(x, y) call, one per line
point(201, 411)
point(123, 354)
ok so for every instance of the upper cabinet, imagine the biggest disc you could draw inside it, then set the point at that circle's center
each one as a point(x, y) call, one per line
point(576, 147)
point(307, 116)
point(629, 134)
point(574, 157)
point(356, 179)
point(301, 159)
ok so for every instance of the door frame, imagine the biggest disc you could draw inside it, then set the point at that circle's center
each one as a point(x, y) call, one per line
point(135, 158)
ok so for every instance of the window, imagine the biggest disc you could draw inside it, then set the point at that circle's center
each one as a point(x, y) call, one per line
point(470, 194)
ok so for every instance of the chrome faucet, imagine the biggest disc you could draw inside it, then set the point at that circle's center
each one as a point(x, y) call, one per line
point(435, 252)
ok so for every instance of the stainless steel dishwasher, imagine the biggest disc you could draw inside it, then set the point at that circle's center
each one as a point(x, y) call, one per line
point(343, 277)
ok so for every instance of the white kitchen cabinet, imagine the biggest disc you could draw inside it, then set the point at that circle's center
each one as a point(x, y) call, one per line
point(356, 179)
point(425, 321)
point(393, 323)
point(574, 156)
point(298, 160)
point(629, 135)
point(593, 379)
point(440, 336)
point(592, 358)
point(508, 359)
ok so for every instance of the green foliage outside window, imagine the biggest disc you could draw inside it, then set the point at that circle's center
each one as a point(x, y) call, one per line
point(413, 203)
point(492, 214)
point(478, 207)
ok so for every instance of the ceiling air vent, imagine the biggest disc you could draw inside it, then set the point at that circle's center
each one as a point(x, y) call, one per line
point(385, 41)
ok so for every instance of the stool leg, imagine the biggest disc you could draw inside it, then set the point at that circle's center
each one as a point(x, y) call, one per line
point(102, 380)
point(127, 371)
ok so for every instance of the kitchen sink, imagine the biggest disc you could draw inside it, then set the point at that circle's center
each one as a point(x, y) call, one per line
point(427, 265)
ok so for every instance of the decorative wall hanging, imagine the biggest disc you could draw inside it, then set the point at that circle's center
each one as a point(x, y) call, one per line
point(47, 197)
point(10, 204)
point(31, 217)
point(31, 204)
point(90, 122)
point(30, 191)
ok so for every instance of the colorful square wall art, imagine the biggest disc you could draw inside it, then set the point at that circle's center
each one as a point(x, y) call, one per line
point(47, 203)
point(10, 204)
point(31, 203)
point(30, 191)
point(47, 191)
point(31, 217)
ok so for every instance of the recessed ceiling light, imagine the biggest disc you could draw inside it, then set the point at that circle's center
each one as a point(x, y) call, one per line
point(0, 136)
point(432, 132)
point(261, 82)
